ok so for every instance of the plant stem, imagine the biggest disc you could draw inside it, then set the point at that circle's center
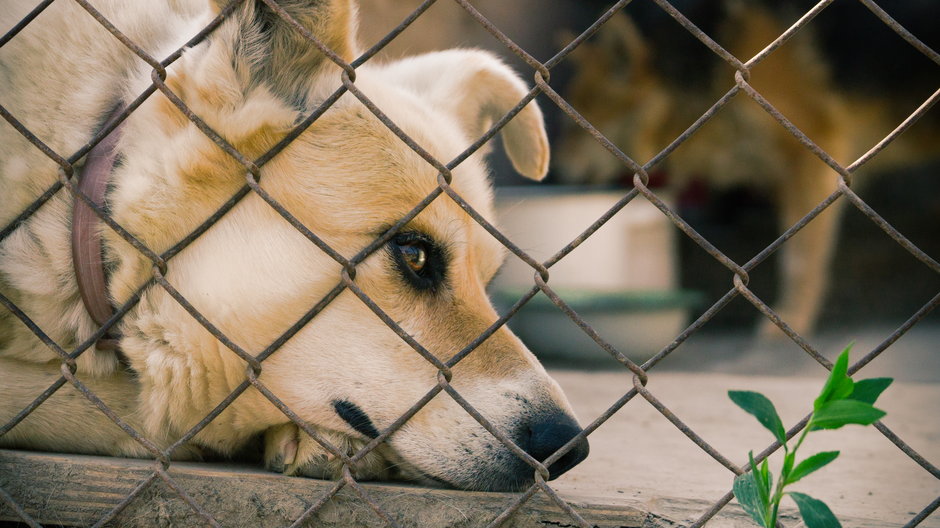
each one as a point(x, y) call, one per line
point(778, 493)
point(806, 429)
point(782, 478)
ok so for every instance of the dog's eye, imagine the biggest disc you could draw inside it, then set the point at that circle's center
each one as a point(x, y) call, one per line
point(418, 259)
point(415, 255)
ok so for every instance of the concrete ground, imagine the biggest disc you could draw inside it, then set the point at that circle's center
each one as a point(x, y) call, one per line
point(638, 456)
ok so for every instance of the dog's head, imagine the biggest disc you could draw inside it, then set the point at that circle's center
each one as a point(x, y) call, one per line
point(347, 178)
point(641, 81)
point(616, 87)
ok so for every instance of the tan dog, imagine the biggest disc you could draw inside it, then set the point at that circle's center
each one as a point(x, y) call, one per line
point(347, 178)
point(644, 79)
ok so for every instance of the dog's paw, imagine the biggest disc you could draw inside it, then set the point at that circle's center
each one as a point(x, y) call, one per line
point(190, 453)
point(280, 447)
point(291, 451)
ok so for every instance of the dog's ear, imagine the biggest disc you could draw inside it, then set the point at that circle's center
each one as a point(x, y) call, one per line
point(478, 89)
point(255, 73)
point(617, 48)
point(265, 49)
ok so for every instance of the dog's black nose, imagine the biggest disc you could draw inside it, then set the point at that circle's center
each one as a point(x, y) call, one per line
point(548, 434)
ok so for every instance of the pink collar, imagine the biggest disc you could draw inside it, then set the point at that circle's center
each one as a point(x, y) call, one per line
point(87, 250)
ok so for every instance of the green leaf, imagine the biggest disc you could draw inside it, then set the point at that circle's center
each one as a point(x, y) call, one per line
point(835, 414)
point(746, 490)
point(768, 478)
point(811, 464)
point(868, 390)
point(757, 404)
point(838, 385)
point(760, 478)
point(815, 513)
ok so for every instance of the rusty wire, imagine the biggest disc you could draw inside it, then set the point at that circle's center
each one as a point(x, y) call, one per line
point(254, 360)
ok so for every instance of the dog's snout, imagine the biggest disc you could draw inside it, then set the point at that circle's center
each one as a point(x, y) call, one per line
point(550, 433)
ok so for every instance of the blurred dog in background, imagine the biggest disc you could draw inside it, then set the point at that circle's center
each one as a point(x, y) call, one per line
point(846, 80)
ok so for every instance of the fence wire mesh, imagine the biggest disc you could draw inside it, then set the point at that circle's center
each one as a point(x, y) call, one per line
point(254, 359)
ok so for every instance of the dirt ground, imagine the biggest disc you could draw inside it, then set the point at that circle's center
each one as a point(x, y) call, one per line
point(639, 456)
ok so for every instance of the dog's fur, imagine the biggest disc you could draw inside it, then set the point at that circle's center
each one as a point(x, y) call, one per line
point(347, 178)
point(845, 80)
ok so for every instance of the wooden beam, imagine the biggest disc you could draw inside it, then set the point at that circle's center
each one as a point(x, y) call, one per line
point(75, 490)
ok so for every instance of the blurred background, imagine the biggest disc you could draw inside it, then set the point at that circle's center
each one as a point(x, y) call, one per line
point(846, 80)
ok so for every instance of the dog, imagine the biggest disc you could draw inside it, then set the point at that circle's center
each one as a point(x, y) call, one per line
point(846, 80)
point(347, 178)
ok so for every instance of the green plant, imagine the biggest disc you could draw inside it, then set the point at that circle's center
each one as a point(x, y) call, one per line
point(841, 402)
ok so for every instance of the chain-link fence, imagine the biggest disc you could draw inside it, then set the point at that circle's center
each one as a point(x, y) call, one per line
point(254, 360)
